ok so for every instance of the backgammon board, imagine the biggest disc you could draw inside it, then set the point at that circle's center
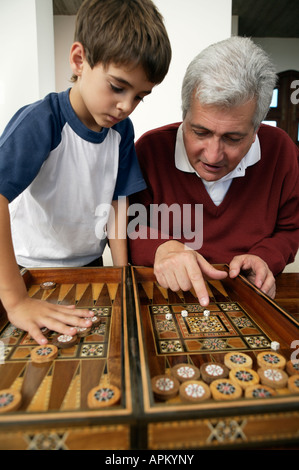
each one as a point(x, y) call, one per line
point(54, 411)
point(175, 334)
point(145, 336)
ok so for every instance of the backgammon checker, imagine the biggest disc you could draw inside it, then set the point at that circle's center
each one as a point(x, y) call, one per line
point(271, 359)
point(184, 372)
point(42, 354)
point(194, 391)
point(259, 391)
point(244, 376)
point(65, 341)
point(225, 389)
point(10, 400)
point(237, 359)
point(103, 396)
point(213, 370)
point(293, 383)
point(165, 386)
point(273, 377)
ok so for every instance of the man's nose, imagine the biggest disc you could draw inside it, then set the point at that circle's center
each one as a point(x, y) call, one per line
point(214, 150)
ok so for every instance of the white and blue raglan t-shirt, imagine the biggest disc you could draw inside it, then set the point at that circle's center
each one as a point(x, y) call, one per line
point(60, 178)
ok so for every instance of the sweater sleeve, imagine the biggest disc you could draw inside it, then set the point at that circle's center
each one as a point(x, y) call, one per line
point(281, 247)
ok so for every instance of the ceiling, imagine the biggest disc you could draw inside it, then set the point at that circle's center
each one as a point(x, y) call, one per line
point(257, 18)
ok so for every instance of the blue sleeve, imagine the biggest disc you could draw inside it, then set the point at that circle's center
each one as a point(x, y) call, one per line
point(25, 144)
point(129, 178)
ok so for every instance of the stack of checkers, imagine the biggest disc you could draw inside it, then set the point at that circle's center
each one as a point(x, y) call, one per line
point(228, 381)
point(61, 341)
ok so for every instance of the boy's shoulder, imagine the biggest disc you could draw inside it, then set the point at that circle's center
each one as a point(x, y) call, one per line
point(35, 116)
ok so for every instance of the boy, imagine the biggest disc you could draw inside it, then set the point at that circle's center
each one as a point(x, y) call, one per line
point(66, 157)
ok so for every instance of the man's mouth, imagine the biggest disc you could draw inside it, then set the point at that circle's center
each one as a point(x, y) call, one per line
point(212, 168)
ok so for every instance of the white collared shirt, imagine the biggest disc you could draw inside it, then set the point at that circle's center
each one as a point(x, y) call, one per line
point(216, 189)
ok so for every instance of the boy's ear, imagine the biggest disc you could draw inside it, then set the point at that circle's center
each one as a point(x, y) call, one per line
point(77, 57)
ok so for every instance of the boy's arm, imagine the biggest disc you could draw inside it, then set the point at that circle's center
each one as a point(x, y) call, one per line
point(117, 231)
point(29, 314)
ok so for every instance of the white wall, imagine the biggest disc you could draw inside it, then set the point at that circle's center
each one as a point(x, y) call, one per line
point(64, 27)
point(27, 54)
point(284, 53)
point(192, 25)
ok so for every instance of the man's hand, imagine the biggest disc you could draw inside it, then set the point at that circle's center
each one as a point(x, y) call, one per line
point(31, 315)
point(256, 271)
point(178, 267)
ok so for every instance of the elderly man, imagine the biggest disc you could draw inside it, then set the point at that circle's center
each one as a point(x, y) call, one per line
point(242, 173)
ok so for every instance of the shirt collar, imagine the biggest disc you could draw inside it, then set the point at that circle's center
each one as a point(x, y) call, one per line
point(182, 161)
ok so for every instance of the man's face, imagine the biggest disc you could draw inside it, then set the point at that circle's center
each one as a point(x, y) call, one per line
point(216, 139)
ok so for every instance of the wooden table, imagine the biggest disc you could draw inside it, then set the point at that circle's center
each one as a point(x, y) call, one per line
point(287, 292)
point(126, 350)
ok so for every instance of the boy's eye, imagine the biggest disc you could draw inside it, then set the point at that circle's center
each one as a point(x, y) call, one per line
point(119, 90)
point(116, 89)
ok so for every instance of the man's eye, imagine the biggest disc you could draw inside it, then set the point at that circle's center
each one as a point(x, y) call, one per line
point(200, 134)
point(234, 140)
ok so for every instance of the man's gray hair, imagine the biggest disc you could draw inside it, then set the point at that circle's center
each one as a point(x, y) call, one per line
point(230, 73)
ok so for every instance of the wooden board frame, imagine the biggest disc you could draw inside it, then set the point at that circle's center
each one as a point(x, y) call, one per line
point(140, 422)
point(209, 424)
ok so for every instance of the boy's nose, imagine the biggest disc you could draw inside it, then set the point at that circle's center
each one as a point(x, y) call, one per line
point(126, 106)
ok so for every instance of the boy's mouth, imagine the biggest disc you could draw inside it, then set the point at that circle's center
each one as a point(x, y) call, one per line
point(114, 119)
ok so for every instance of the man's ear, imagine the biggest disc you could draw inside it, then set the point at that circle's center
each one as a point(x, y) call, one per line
point(77, 57)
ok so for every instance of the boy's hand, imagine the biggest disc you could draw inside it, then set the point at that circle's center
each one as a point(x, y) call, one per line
point(31, 315)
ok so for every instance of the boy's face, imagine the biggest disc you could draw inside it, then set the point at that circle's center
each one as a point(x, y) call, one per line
point(102, 97)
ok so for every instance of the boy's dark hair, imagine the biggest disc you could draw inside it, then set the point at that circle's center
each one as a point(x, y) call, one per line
point(124, 32)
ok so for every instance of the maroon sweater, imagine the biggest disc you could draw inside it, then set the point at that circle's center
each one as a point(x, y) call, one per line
point(259, 214)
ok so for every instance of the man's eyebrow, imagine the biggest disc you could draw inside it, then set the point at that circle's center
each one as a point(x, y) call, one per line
point(200, 127)
point(128, 84)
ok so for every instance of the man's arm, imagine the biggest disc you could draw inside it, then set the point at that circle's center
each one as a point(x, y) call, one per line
point(29, 314)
